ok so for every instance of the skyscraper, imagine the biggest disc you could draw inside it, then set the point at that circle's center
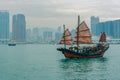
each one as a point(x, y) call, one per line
point(109, 28)
point(58, 34)
point(19, 28)
point(116, 29)
point(100, 27)
point(94, 21)
point(35, 34)
point(4, 25)
point(47, 35)
point(28, 35)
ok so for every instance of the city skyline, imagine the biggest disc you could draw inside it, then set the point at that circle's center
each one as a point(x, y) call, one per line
point(19, 28)
point(54, 13)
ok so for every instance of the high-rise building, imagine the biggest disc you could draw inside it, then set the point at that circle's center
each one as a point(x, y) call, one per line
point(100, 28)
point(19, 28)
point(109, 28)
point(35, 34)
point(94, 21)
point(47, 36)
point(116, 29)
point(28, 35)
point(58, 34)
point(4, 25)
point(59, 29)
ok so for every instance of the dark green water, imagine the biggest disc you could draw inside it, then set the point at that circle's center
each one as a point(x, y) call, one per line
point(43, 62)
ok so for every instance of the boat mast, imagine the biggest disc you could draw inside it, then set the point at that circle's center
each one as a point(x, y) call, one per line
point(78, 32)
point(64, 36)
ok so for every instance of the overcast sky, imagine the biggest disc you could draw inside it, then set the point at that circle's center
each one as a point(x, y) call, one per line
point(54, 13)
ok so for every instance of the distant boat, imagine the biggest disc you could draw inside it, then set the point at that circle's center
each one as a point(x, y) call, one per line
point(11, 43)
point(83, 37)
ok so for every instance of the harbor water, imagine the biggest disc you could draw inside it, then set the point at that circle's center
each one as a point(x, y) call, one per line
point(44, 62)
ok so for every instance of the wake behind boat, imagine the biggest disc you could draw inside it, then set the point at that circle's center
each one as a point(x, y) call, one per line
point(82, 36)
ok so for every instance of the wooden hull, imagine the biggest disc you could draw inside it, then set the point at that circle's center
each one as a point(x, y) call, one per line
point(89, 54)
point(70, 55)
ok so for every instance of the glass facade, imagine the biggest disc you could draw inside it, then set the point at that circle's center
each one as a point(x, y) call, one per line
point(4, 25)
point(19, 28)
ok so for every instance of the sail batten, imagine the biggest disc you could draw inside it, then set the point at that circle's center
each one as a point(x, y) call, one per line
point(84, 34)
point(67, 35)
point(84, 30)
point(66, 38)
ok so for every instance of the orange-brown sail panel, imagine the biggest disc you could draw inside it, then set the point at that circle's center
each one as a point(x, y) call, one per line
point(66, 42)
point(84, 34)
point(83, 26)
point(83, 40)
point(102, 37)
point(67, 38)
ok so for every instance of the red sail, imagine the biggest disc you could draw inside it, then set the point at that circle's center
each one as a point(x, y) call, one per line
point(67, 38)
point(102, 37)
point(84, 34)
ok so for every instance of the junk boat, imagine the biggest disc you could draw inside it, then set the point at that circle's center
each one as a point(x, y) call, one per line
point(82, 37)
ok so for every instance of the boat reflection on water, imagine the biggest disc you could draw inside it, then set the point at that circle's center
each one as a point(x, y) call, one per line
point(84, 69)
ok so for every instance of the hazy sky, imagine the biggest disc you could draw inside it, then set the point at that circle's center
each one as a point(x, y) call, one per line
point(54, 13)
